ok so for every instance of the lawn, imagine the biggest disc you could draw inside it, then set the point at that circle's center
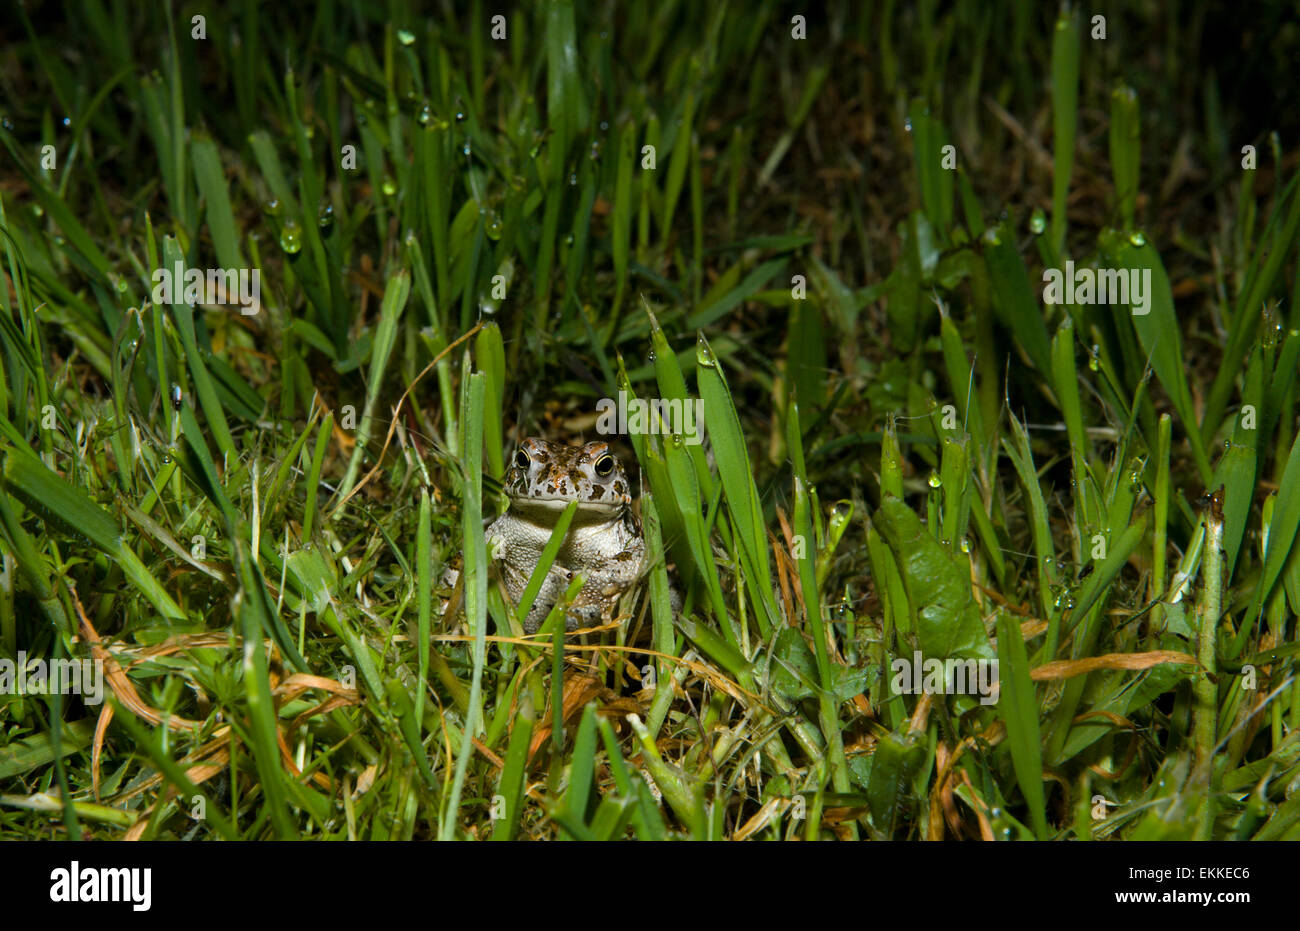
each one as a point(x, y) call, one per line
point(992, 311)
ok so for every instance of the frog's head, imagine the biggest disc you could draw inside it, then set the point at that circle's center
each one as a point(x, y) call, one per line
point(547, 476)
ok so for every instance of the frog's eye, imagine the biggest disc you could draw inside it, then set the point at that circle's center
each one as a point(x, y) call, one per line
point(521, 459)
point(604, 465)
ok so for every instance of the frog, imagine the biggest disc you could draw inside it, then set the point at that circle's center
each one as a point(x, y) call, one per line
point(603, 543)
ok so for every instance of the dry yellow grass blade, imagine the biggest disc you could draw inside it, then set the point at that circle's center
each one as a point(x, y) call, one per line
point(1068, 668)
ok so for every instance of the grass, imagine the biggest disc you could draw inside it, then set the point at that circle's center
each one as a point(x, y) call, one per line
point(244, 512)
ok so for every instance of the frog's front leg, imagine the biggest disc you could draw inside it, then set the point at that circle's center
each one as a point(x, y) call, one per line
point(551, 591)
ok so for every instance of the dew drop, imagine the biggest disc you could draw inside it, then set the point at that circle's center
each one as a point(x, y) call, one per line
point(389, 186)
point(405, 36)
point(425, 116)
point(494, 226)
point(1137, 238)
point(325, 217)
point(704, 355)
point(991, 237)
point(573, 180)
point(272, 207)
point(466, 149)
point(290, 237)
point(935, 480)
point(1037, 221)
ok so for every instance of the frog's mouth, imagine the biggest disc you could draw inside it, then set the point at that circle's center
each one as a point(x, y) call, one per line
point(556, 505)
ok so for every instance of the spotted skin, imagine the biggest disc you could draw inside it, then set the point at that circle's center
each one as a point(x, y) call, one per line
point(604, 541)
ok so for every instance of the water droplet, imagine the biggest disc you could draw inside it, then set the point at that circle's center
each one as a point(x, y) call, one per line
point(603, 126)
point(1037, 221)
point(466, 149)
point(272, 207)
point(935, 480)
point(568, 240)
point(991, 237)
point(389, 186)
point(425, 116)
point(907, 125)
point(965, 544)
point(290, 237)
point(1137, 238)
point(704, 355)
point(6, 122)
point(573, 180)
point(325, 217)
point(1094, 358)
point(460, 116)
point(67, 122)
point(38, 211)
point(405, 36)
point(595, 151)
point(494, 226)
